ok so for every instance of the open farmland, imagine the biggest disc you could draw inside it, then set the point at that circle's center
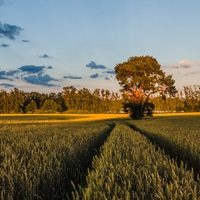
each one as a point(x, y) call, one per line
point(99, 157)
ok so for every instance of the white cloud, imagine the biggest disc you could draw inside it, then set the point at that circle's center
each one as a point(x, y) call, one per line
point(183, 67)
point(187, 64)
point(185, 72)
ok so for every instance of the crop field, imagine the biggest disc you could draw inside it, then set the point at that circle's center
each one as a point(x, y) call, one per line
point(179, 136)
point(99, 157)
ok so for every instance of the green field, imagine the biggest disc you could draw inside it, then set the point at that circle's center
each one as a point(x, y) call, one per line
point(153, 158)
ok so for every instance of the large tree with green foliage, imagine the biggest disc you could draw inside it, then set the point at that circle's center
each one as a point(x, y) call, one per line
point(140, 77)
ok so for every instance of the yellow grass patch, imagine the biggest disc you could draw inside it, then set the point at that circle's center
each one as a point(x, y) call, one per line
point(94, 117)
point(21, 118)
point(55, 118)
point(177, 114)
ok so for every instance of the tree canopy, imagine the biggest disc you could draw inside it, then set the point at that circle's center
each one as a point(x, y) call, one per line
point(140, 77)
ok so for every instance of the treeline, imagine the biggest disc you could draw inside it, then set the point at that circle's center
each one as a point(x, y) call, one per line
point(187, 100)
point(70, 100)
point(73, 100)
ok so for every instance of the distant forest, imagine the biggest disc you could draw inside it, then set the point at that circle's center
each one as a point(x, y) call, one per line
point(73, 100)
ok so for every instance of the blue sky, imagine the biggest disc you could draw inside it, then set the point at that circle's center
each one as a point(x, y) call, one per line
point(46, 45)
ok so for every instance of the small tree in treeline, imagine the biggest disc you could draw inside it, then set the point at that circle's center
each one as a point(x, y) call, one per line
point(49, 106)
point(140, 77)
point(192, 98)
point(31, 107)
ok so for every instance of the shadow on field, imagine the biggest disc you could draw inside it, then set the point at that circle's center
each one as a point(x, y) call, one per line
point(82, 162)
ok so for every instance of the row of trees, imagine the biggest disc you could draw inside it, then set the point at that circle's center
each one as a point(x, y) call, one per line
point(69, 100)
point(98, 101)
point(187, 100)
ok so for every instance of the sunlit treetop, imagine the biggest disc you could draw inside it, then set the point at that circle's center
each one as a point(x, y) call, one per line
point(144, 74)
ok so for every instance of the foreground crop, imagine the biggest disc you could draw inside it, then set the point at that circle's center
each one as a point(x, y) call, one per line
point(178, 136)
point(40, 161)
point(130, 167)
point(100, 160)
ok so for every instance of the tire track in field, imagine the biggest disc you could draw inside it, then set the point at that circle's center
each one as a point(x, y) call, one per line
point(178, 154)
point(95, 150)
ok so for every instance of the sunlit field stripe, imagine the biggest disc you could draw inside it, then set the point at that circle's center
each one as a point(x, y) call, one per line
point(77, 117)
point(71, 118)
point(176, 114)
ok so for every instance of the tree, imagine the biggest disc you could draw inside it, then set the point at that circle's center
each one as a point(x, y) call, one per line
point(49, 106)
point(16, 101)
point(60, 101)
point(4, 102)
point(96, 100)
point(192, 98)
point(31, 107)
point(140, 77)
point(70, 94)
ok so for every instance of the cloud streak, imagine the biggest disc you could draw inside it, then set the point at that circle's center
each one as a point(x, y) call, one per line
point(110, 72)
point(107, 78)
point(4, 45)
point(7, 85)
point(45, 56)
point(93, 65)
point(94, 76)
point(32, 69)
point(72, 77)
point(2, 73)
point(5, 78)
point(9, 31)
point(40, 80)
point(12, 72)
point(25, 41)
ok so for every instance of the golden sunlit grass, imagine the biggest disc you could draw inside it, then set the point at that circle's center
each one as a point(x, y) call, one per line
point(54, 118)
point(94, 117)
point(176, 114)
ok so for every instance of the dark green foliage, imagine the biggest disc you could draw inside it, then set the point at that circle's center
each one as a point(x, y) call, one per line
point(31, 107)
point(49, 106)
point(135, 110)
point(82, 100)
point(138, 111)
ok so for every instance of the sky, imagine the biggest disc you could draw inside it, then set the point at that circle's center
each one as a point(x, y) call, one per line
point(46, 45)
